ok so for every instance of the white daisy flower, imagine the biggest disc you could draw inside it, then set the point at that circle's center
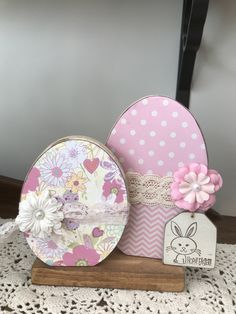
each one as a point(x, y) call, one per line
point(40, 215)
point(50, 249)
point(75, 152)
point(55, 169)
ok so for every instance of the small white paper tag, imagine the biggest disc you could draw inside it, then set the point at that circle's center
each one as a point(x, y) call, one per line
point(190, 240)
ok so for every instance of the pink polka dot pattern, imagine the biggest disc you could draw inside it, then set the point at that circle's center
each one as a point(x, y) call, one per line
point(155, 135)
point(160, 135)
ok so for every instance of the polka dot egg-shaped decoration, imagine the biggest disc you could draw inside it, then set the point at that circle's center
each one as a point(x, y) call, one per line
point(155, 135)
point(74, 204)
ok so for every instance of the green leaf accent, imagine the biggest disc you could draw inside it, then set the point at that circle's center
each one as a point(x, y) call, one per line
point(72, 245)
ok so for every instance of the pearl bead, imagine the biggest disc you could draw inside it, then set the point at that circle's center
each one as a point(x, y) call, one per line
point(196, 187)
point(39, 214)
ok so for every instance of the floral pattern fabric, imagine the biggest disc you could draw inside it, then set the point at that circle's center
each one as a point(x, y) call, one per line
point(90, 190)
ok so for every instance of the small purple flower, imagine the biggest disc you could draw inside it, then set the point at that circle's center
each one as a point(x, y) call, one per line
point(68, 197)
point(71, 224)
point(112, 169)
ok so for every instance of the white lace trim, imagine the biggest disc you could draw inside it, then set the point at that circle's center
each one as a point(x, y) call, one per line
point(101, 213)
point(151, 190)
point(97, 213)
point(207, 291)
point(7, 231)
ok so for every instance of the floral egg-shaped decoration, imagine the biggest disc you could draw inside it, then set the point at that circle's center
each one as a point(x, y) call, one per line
point(74, 204)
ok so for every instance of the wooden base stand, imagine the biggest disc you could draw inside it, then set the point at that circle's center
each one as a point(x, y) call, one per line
point(118, 271)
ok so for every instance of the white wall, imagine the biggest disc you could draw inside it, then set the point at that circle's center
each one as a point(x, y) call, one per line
point(71, 67)
point(213, 97)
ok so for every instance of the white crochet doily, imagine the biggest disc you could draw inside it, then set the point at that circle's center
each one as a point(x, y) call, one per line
point(207, 291)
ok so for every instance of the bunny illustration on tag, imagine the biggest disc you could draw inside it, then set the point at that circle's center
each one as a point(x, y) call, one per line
point(184, 244)
point(185, 241)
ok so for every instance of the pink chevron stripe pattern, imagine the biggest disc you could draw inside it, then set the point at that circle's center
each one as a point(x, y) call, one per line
point(143, 235)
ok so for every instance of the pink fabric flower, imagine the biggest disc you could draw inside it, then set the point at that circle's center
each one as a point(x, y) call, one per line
point(32, 181)
point(81, 256)
point(194, 186)
point(114, 188)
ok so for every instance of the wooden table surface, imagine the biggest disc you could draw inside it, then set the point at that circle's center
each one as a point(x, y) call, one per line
point(10, 193)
